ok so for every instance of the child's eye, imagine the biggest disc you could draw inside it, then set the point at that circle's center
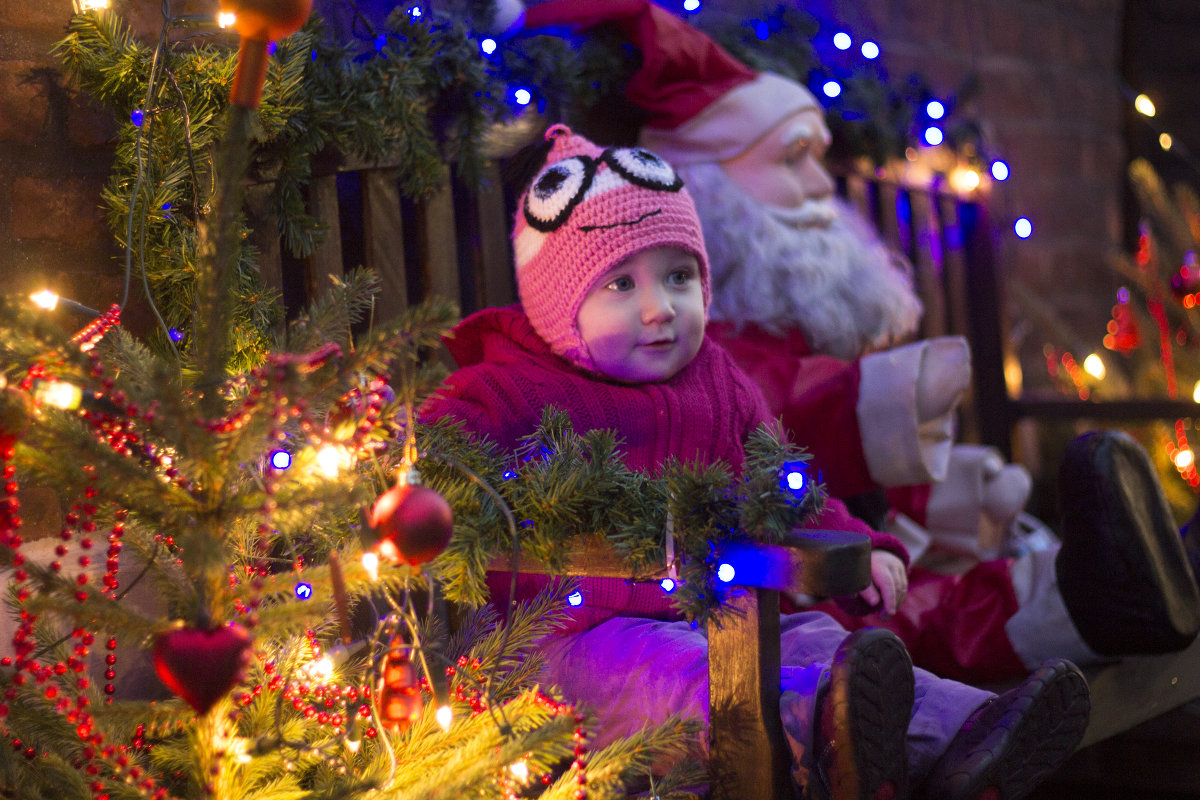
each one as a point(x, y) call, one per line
point(621, 284)
point(680, 277)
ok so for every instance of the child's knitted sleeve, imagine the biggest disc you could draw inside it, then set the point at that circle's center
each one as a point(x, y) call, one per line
point(474, 396)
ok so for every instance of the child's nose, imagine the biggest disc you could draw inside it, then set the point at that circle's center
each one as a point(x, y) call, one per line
point(657, 307)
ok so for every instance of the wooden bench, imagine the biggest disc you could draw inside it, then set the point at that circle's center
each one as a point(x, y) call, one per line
point(455, 244)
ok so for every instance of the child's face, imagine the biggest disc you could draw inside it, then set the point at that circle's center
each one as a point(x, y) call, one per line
point(643, 320)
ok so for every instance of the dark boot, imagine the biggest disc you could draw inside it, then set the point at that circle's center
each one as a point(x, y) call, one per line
point(1013, 742)
point(1122, 570)
point(862, 720)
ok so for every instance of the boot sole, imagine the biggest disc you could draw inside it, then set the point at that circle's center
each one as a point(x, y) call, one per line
point(1018, 743)
point(1150, 602)
point(871, 685)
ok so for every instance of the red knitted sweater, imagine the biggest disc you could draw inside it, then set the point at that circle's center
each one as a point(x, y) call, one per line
point(507, 375)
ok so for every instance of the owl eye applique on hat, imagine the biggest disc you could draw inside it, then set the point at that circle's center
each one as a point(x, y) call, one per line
point(563, 185)
point(556, 191)
point(643, 168)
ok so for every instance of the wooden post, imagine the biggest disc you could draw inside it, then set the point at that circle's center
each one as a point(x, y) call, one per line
point(497, 281)
point(748, 752)
point(927, 261)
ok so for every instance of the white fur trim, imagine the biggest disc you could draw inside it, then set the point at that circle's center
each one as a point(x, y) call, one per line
point(1042, 627)
point(730, 124)
point(899, 450)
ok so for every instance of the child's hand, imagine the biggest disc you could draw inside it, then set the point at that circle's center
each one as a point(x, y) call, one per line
point(889, 583)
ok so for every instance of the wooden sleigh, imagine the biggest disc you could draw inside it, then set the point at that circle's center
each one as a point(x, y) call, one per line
point(455, 244)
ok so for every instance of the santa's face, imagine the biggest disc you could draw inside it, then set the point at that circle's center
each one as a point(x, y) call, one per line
point(783, 171)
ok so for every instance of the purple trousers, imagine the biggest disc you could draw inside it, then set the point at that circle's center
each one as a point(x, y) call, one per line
point(636, 672)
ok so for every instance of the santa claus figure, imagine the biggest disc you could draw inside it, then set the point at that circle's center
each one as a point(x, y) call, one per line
point(812, 305)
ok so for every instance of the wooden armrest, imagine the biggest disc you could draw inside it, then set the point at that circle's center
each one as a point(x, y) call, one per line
point(816, 562)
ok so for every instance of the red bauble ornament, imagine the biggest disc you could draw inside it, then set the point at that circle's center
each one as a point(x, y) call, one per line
point(201, 666)
point(412, 524)
point(397, 699)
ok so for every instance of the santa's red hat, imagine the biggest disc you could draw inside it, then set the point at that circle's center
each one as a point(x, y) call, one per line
point(703, 104)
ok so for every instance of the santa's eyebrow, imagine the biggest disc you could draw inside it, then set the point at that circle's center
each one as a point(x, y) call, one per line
point(802, 130)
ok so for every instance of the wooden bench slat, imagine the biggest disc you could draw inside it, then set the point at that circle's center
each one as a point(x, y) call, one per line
point(818, 563)
point(383, 228)
point(326, 260)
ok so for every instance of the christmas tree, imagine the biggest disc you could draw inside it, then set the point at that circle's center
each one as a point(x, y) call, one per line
point(232, 479)
point(1148, 348)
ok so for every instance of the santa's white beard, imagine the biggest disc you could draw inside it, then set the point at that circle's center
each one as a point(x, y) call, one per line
point(837, 282)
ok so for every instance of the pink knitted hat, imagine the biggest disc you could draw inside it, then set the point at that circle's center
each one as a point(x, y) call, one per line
point(585, 211)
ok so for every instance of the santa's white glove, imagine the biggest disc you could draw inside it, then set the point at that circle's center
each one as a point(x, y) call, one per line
point(906, 402)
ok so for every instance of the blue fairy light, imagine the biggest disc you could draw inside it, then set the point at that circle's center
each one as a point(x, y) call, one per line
point(509, 475)
point(488, 46)
point(667, 585)
point(575, 599)
point(522, 97)
point(832, 88)
point(175, 334)
point(935, 109)
point(761, 30)
point(137, 117)
point(304, 590)
point(415, 12)
point(870, 51)
point(1023, 228)
point(281, 459)
point(691, 6)
point(842, 40)
point(380, 42)
point(272, 47)
point(725, 573)
point(999, 170)
point(934, 136)
point(793, 477)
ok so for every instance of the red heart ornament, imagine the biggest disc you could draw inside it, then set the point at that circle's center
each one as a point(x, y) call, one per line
point(202, 666)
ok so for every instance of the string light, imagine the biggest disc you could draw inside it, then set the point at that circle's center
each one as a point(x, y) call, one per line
point(281, 459)
point(370, 563)
point(93, 5)
point(226, 19)
point(870, 51)
point(1023, 228)
point(1094, 366)
point(444, 716)
point(667, 585)
point(691, 6)
point(725, 573)
point(935, 109)
point(1165, 141)
point(842, 40)
point(934, 136)
point(522, 97)
point(48, 300)
point(331, 460)
point(832, 88)
point(488, 46)
point(1144, 105)
point(60, 394)
point(519, 770)
point(575, 599)
point(1000, 170)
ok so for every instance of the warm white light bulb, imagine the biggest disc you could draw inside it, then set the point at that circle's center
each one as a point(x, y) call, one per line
point(370, 563)
point(44, 299)
point(1184, 459)
point(519, 770)
point(1144, 105)
point(1094, 366)
point(1196, 392)
point(92, 5)
point(59, 394)
point(444, 716)
point(1165, 141)
point(226, 19)
point(332, 460)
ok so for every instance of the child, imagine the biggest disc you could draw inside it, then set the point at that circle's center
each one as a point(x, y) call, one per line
point(613, 278)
